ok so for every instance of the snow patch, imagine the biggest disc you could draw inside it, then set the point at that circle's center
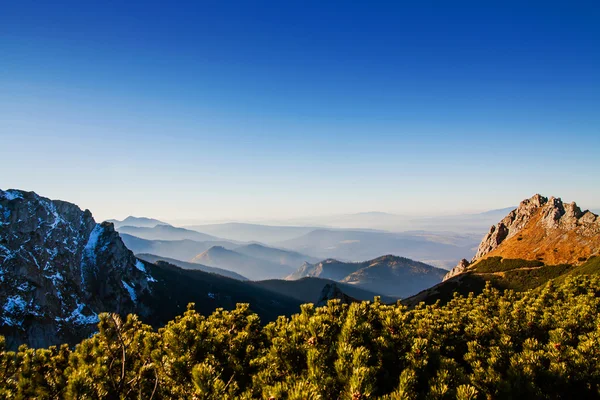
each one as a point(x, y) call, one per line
point(14, 305)
point(32, 257)
point(52, 252)
point(8, 254)
point(130, 290)
point(51, 209)
point(78, 318)
point(12, 195)
point(56, 278)
point(89, 251)
point(140, 266)
point(92, 242)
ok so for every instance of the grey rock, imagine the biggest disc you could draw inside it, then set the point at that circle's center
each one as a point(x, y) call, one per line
point(459, 269)
point(59, 269)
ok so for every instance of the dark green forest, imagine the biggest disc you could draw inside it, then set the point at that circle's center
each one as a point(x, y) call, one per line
point(539, 344)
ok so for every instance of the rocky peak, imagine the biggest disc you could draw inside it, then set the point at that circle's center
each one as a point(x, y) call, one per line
point(459, 269)
point(541, 228)
point(547, 217)
point(59, 269)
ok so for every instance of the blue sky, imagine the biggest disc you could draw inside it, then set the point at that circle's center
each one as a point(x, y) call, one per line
point(245, 110)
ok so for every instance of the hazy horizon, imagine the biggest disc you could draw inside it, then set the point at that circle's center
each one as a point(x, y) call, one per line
point(280, 111)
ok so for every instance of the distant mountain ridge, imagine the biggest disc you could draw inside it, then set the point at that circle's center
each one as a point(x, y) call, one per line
point(436, 249)
point(244, 232)
point(166, 232)
point(140, 222)
point(184, 250)
point(251, 267)
point(376, 220)
point(274, 255)
point(389, 275)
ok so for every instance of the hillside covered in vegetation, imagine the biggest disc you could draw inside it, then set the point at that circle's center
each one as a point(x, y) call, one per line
point(502, 273)
point(534, 344)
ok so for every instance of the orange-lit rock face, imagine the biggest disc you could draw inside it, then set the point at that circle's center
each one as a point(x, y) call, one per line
point(544, 229)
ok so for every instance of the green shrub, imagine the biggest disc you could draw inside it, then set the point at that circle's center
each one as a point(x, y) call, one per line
point(542, 344)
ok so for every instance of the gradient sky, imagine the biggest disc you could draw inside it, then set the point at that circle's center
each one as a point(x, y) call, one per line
point(246, 110)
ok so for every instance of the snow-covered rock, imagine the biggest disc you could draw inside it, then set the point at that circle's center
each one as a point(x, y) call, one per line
point(59, 269)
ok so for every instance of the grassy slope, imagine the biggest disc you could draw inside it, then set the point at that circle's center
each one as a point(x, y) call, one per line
point(515, 274)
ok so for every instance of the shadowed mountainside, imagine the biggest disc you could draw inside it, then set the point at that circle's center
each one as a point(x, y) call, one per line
point(151, 258)
point(308, 290)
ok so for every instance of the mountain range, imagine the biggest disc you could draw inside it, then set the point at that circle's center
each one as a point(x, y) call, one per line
point(251, 267)
point(442, 249)
point(250, 257)
point(439, 249)
point(166, 232)
point(477, 223)
point(59, 268)
point(184, 250)
point(243, 232)
point(278, 256)
point(140, 222)
point(389, 275)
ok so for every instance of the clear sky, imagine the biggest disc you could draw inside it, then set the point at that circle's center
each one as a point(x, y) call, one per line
point(252, 109)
